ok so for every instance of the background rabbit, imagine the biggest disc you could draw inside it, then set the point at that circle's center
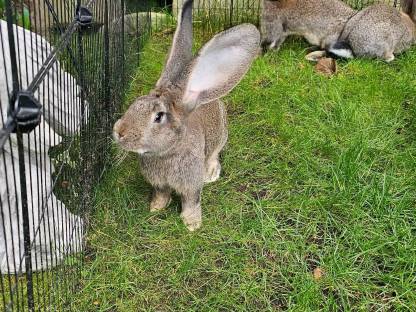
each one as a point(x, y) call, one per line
point(379, 31)
point(180, 128)
point(318, 21)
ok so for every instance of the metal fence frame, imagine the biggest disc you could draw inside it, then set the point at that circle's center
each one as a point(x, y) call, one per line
point(82, 48)
point(96, 55)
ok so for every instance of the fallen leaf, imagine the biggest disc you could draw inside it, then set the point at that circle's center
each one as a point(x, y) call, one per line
point(168, 31)
point(65, 184)
point(96, 303)
point(326, 66)
point(242, 188)
point(260, 194)
point(318, 273)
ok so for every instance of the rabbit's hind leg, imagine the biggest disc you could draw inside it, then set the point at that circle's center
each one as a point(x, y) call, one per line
point(388, 57)
point(315, 56)
point(212, 168)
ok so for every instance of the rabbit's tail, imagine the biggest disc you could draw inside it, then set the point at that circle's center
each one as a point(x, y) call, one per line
point(409, 7)
point(341, 49)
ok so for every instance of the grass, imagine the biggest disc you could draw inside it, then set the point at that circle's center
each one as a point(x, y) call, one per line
point(318, 177)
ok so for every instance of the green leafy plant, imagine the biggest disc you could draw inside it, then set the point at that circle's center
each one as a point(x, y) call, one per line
point(24, 19)
point(21, 16)
point(2, 6)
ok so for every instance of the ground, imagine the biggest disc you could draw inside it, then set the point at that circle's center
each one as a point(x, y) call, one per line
point(314, 210)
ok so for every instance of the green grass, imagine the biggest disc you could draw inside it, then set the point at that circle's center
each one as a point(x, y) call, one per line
point(318, 173)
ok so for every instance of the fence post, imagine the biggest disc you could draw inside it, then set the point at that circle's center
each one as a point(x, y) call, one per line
point(21, 156)
point(80, 68)
point(106, 68)
point(106, 54)
point(83, 131)
point(123, 74)
point(231, 12)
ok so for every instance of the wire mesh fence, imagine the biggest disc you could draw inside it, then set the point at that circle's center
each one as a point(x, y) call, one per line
point(65, 66)
point(211, 16)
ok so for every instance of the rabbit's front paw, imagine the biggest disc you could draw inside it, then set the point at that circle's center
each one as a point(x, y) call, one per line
point(389, 57)
point(192, 222)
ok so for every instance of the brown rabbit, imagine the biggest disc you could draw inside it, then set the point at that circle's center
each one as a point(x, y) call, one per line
point(379, 31)
point(320, 22)
point(179, 129)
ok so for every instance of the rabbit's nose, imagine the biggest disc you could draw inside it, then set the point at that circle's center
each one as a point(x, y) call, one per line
point(118, 135)
point(119, 130)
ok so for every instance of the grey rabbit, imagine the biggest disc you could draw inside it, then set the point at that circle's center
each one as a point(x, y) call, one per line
point(320, 22)
point(378, 31)
point(180, 127)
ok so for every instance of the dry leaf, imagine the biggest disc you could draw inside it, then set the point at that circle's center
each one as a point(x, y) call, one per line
point(317, 273)
point(326, 66)
point(65, 184)
point(168, 31)
point(96, 303)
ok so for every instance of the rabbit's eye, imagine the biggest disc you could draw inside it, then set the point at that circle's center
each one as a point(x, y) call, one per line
point(159, 117)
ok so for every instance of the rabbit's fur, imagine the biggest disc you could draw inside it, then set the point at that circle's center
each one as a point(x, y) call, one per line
point(179, 129)
point(379, 31)
point(319, 21)
point(376, 31)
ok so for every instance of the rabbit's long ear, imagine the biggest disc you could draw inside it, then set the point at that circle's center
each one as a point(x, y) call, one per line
point(220, 65)
point(181, 51)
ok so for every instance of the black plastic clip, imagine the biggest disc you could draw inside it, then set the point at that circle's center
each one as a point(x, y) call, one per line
point(83, 15)
point(28, 112)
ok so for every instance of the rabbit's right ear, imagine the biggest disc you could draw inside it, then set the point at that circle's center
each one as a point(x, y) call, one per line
point(180, 54)
point(220, 65)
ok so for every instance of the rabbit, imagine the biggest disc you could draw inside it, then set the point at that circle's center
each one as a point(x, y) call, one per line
point(179, 129)
point(320, 22)
point(378, 31)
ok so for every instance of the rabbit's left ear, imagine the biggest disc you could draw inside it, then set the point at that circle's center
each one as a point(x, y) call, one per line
point(220, 65)
point(181, 51)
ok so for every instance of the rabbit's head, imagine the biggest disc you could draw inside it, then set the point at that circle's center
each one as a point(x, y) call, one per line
point(150, 125)
point(154, 123)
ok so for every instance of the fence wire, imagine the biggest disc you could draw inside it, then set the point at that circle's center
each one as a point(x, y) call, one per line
point(65, 66)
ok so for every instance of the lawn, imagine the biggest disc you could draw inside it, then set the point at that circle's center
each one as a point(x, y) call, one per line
point(314, 210)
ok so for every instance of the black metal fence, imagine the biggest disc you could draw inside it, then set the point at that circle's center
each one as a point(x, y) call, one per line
point(65, 66)
point(211, 16)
